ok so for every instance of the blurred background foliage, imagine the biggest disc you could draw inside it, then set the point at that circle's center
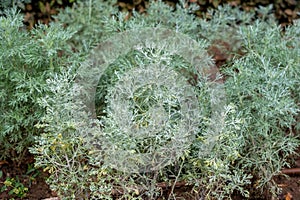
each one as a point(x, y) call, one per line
point(285, 10)
point(44, 10)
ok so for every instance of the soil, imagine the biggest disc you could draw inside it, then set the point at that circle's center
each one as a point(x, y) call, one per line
point(290, 184)
point(39, 190)
point(33, 179)
point(290, 187)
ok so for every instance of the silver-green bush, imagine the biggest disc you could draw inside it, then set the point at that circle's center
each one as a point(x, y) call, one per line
point(27, 59)
point(250, 141)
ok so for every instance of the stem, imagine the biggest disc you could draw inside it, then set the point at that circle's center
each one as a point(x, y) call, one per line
point(90, 10)
point(291, 171)
point(176, 179)
point(51, 63)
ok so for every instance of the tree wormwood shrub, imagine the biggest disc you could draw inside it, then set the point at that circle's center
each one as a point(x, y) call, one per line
point(27, 60)
point(250, 144)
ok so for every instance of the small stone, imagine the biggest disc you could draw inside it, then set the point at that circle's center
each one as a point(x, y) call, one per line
point(288, 12)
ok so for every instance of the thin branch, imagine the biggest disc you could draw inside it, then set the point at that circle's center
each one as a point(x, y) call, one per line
point(174, 184)
point(291, 171)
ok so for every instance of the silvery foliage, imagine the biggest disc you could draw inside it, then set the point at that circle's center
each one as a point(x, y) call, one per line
point(219, 159)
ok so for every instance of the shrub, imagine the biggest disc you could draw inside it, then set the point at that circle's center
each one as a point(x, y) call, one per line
point(249, 144)
point(27, 60)
point(264, 86)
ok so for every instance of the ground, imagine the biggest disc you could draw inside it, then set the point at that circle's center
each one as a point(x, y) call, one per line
point(28, 177)
point(34, 180)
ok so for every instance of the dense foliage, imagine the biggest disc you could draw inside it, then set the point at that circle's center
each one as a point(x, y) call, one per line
point(27, 60)
point(243, 141)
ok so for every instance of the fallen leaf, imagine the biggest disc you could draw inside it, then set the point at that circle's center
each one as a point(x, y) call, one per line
point(288, 12)
point(288, 196)
point(2, 162)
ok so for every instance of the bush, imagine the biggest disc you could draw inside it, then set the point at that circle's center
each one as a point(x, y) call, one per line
point(264, 86)
point(248, 145)
point(27, 60)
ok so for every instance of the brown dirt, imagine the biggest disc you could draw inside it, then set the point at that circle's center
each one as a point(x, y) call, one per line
point(38, 189)
point(290, 187)
point(290, 184)
point(34, 180)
